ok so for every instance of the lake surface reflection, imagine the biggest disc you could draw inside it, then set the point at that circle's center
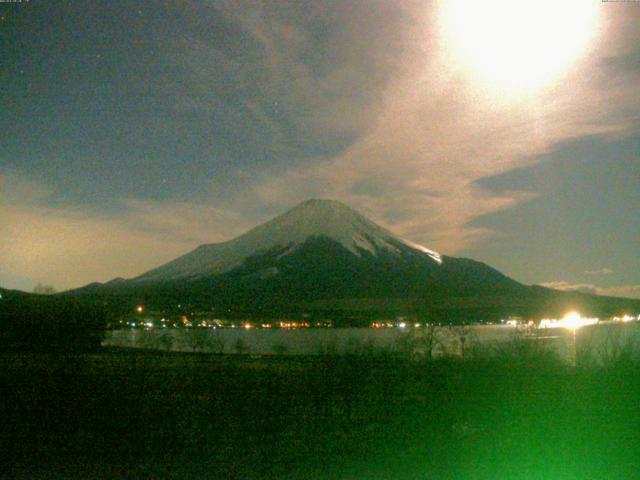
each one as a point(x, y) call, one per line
point(595, 341)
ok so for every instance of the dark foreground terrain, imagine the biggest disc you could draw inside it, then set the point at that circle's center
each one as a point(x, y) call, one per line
point(121, 414)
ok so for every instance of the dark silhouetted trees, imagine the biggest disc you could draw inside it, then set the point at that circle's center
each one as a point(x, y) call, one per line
point(44, 289)
point(50, 324)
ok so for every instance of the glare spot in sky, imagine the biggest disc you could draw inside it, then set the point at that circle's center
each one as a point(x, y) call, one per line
point(517, 47)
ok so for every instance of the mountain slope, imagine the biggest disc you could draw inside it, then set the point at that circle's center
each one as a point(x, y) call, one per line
point(313, 218)
point(13, 294)
point(323, 256)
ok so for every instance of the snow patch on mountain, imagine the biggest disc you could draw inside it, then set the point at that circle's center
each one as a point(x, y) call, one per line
point(433, 254)
point(327, 218)
point(312, 218)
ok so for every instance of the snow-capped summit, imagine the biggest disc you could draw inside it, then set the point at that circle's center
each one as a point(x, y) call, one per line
point(334, 220)
point(313, 218)
point(325, 259)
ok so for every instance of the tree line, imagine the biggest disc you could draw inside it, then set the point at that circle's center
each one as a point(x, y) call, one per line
point(37, 323)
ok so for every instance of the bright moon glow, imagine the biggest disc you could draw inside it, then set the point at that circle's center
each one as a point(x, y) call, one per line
point(518, 45)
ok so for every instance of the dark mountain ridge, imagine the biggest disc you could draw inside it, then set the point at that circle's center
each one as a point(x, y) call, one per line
point(325, 258)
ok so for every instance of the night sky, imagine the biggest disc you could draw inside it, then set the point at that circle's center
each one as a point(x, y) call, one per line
point(132, 131)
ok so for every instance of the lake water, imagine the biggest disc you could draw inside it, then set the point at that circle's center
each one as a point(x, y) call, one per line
point(599, 340)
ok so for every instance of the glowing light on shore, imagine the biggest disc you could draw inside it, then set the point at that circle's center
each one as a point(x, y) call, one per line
point(139, 309)
point(572, 321)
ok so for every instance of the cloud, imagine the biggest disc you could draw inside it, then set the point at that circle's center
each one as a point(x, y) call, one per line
point(362, 104)
point(309, 74)
point(70, 246)
point(625, 291)
point(187, 223)
point(432, 132)
point(17, 188)
point(573, 287)
point(601, 271)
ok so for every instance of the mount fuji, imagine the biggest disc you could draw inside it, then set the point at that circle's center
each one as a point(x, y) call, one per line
point(324, 256)
point(286, 234)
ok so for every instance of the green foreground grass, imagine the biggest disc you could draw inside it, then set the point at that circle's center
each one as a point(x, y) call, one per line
point(126, 414)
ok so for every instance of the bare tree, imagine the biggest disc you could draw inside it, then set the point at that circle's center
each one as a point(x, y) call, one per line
point(44, 289)
point(147, 339)
point(241, 346)
point(462, 335)
point(197, 339)
point(217, 341)
point(165, 341)
point(618, 348)
point(425, 341)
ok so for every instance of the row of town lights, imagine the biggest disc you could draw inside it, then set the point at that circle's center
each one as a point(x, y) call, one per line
point(572, 320)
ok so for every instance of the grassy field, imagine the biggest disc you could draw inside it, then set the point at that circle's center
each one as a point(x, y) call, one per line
point(126, 414)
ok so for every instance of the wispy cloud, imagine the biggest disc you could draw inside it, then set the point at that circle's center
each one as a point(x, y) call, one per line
point(601, 271)
point(432, 133)
point(625, 291)
point(71, 246)
point(359, 102)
